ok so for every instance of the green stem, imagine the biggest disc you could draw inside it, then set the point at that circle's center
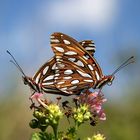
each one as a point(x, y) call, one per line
point(76, 127)
point(55, 131)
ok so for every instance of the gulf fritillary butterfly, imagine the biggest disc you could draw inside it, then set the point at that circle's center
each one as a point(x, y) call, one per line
point(76, 69)
point(43, 80)
point(72, 70)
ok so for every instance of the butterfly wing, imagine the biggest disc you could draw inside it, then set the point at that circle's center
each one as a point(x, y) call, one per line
point(89, 46)
point(44, 77)
point(76, 68)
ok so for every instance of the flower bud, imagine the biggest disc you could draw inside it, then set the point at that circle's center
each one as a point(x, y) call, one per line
point(87, 116)
point(33, 123)
point(38, 114)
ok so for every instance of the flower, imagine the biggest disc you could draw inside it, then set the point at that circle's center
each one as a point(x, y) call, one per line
point(37, 96)
point(94, 101)
point(81, 114)
point(54, 113)
point(96, 137)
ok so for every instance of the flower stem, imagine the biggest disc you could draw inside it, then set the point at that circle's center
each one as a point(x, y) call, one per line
point(55, 131)
point(76, 127)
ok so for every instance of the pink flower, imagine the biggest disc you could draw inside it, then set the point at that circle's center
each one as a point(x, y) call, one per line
point(94, 101)
point(36, 96)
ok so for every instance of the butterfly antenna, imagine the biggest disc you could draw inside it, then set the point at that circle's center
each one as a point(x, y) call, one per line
point(124, 64)
point(15, 63)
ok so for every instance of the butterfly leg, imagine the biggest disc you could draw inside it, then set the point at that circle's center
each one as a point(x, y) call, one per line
point(58, 99)
point(100, 92)
point(68, 112)
point(31, 99)
point(65, 105)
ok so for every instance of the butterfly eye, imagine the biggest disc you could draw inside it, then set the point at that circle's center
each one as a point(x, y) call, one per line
point(25, 80)
point(109, 83)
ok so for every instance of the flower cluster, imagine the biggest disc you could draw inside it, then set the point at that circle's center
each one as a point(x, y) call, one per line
point(96, 137)
point(95, 101)
point(88, 107)
point(81, 114)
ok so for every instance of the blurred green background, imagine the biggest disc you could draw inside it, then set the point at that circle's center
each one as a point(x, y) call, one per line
point(114, 25)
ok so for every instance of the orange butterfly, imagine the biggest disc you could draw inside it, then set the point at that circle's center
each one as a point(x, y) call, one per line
point(76, 69)
point(43, 80)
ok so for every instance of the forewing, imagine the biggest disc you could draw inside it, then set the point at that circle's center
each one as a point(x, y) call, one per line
point(45, 77)
point(76, 68)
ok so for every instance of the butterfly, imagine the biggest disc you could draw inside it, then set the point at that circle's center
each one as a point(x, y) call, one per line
point(76, 68)
point(43, 80)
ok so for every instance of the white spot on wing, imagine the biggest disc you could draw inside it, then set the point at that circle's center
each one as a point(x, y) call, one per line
point(47, 83)
point(49, 78)
point(84, 74)
point(90, 67)
point(58, 57)
point(88, 80)
point(55, 40)
point(59, 49)
point(68, 72)
point(37, 78)
point(63, 89)
point(73, 87)
point(85, 57)
point(52, 37)
point(66, 78)
point(89, 48)
point(57, 74)
point(57, 71)
point(53, 67)
point(97, 75)
point(72, 59)
point(75, 82)
point(62, 82)
point(70, 53)
point(45, 70)
point(92, 45)
point(79, 63)
point(66, 42)
point(83, 42)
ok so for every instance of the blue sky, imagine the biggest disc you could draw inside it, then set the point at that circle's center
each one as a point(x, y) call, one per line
point(25, 27)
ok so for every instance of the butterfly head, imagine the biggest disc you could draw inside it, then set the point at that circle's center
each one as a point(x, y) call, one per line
point(29, 81)
point(109, 79)
point(106, 80)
